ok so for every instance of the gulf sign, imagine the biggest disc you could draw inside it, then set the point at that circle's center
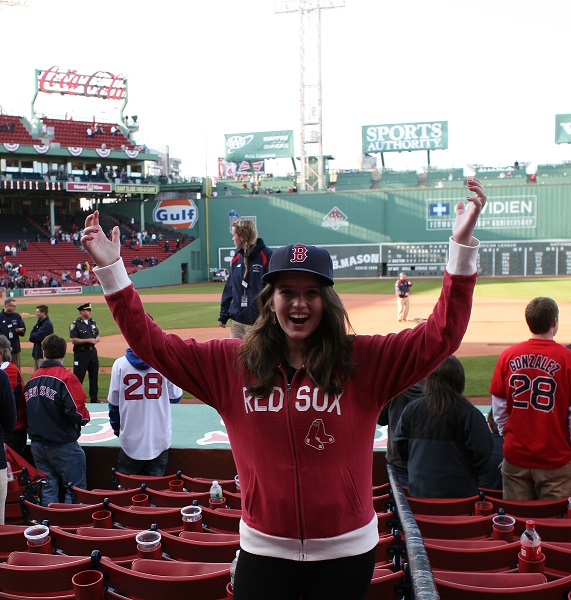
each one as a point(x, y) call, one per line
point(179, 214)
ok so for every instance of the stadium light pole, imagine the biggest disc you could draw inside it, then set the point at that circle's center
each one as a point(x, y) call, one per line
point(312, 175)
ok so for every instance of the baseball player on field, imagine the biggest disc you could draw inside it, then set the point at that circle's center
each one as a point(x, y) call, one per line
point(140, 415)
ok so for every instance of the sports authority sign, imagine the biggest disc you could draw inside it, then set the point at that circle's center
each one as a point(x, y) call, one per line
point(257, 146)
point(101, 84)
point(405, 136)
point(89, 187)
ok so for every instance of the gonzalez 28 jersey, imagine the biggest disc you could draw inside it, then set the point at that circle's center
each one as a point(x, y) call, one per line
point(534, 379)
point(139, 406)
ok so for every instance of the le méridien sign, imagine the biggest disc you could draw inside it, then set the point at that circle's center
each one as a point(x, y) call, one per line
point(405, 137)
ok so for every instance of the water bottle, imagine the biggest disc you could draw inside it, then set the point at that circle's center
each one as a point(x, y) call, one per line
point(233, 569)
point(530, 542)
point(215, 490)
point(9, 472)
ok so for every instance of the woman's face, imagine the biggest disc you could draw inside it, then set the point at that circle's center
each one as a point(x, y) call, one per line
point(238, 241)
point(297, 304)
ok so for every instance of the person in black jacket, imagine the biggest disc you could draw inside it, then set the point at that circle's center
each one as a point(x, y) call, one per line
point(7, 423)
point(249, 264)
point(41, 330)
point(13, 327)
point(443, 437)
point(390, 416)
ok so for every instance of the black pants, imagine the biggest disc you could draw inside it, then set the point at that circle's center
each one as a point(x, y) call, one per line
point(87, 362)
point(261, 577)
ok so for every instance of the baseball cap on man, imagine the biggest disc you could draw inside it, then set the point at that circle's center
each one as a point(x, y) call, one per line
point(86, 306)
point(299, 257)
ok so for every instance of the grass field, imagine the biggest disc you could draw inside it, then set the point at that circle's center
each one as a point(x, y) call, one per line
point(174, 315)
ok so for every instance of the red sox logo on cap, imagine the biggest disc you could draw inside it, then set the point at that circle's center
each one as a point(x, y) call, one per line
point(299, 254)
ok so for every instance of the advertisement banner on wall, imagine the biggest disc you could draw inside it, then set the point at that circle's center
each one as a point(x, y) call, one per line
point(349, 260)
point(563, 129)
point(181, 213)
point(258, 146)
point(408, 137)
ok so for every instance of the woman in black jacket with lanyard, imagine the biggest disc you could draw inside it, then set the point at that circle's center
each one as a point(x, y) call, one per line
point(240, 296)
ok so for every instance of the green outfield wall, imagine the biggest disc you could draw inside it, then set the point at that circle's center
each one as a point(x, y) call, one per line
point(525, 229)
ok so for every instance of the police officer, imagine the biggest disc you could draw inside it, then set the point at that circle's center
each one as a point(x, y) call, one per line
point(84, 335)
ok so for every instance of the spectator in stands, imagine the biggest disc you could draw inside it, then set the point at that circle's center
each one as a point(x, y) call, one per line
point(55, 421)
point(18, 437)
point(78, 275)
point(390, 416)
point(65, 277)
point(13, 250)
point(39, 332)
point(492, 479)
point(291, 396)
point(167, 246)
point(443, 438)
point(531, 401)
point(7, 422)
point(143, 427)
point(89, 132)
point(12, 326)
point(113, 130)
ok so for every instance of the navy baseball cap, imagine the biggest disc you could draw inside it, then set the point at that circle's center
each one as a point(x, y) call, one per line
point(299, 257)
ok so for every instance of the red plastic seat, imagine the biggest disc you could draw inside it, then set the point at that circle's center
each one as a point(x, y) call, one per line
point(383, 585)
point(11, 538)
point(488, 558)
point(118, 544)
point(550, 530)
point(557, 559)
point(207, 536)
point(178, 569)
point(146, 586)
point(142, 517)
point(443, 506)
point(530, 509)
point(70, 515)
point(201, 484)
point(167, 499)
point(40, 573)
point(221, 521)
point(211, 551)
point(119, 497)
point(454, 527)
point(500, 586)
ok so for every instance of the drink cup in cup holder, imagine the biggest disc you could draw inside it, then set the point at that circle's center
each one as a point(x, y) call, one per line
point(503, 527)
point(191, 513)
point(147, 541)
point(36, 534)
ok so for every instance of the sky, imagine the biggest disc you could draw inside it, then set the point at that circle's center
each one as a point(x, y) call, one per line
point(496, 70)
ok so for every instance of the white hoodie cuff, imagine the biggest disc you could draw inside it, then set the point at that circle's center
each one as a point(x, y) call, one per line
point(113, 278)
point(462, 260)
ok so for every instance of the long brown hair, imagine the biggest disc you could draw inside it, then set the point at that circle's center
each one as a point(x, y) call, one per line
point(444, 386)
point(327, 353)
point(246, 229)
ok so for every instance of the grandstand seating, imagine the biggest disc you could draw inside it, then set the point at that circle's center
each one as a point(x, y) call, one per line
point(353, 180)
point(74, 134)
point(13, 131)
point(444, 178)
point(398, 179)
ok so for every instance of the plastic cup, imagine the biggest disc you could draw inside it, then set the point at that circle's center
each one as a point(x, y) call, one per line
point(102, 518)
point(503, 527)
point(176, 485)
point(191, 518)
point(483, 508)
point(217, 502)
point(237, 480)
point(36, 535)
point(149, 544)
point(88, 585)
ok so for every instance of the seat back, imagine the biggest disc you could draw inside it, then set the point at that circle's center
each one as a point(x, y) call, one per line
point(68, 515)
point(190, 550)
point(530, 509)
point(118, 547)
point(443, 506)
point(492, 558)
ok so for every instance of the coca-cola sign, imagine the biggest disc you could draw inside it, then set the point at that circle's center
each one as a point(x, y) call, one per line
point(101, 84)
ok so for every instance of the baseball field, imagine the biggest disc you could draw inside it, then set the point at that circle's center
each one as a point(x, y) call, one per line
point(497, 319)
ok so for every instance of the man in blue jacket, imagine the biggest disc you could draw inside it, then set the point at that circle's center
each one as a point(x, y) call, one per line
point(41, 330)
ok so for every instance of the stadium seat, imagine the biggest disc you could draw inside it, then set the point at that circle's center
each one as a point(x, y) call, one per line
point(550, 530)
point(383, 584)
point(190, 550)
point(118, 497)
point(530, 509)
point(40, 573)
point(118, 544)
point(501, 557)
point(141, 517)
point(70, 515)
point(500, 586)
point(557, 559)
point(135, 481)
point(443, 506)
point(165, 498)
point(454, 527)
point(220, 521)
point(130, 583)
point(11, 538)
point(200, 484)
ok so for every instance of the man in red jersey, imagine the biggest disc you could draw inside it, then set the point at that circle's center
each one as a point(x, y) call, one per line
point(531, 400)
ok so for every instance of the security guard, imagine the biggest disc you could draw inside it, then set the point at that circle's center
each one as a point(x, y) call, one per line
point(84, 335)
